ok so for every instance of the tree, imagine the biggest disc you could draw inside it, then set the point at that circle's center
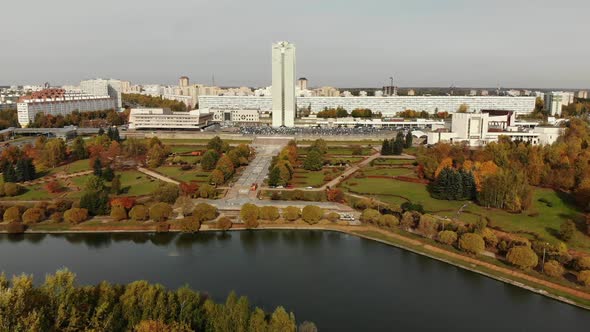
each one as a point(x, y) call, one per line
point(523, 257)
point(188, 188)
point(190, 225)
point(447, 237)
point(12, 214)
point(226, 166)
point(584, 277)
point(553, 269)
point(312, 214)
point(463, 108)
point(313, 161)
point(207, 191)
point(209, 160)
point(582, 263)
point(335, 195)
point(370, 216)
point(76, 215)
point(156, 156)
point(9, 173)
point(386, 148)
point(160, 211)
point(12, 189)
point(398, 146)
point(307, 327)
point(139, 213)
point(54, 152)
point(249, 214)
point(116, 185)
point(97, 167)
point(33, 216)
point(291, 213)
point(95, 202)
point(269, 213)
point(205, 212)
point(79, 150)
point(567, 230)
point(471, 243)
point(185, 205)
point(224, 223)
point(118, 213)
point(409, 140)
point(274, 177)
point(160, 326)
point(216, 177)
point(320, 146)
point(125, 202)
point(281, 321)
point(215, 144)
point(166, 192)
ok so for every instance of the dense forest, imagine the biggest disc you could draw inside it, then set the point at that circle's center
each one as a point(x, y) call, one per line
point(80, 119)
point(8, 118)
point(59, 304)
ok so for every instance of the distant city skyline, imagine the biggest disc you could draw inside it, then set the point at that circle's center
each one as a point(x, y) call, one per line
point(423, 43)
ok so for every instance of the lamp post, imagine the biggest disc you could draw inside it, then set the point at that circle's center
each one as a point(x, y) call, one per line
point(544, 248)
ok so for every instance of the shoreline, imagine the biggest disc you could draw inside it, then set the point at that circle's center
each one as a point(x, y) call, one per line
point(499, 273)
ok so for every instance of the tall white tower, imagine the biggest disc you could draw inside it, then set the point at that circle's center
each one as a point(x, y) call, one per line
point(283, 84)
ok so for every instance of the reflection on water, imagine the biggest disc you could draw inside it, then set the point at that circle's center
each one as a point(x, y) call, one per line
point(339, 281)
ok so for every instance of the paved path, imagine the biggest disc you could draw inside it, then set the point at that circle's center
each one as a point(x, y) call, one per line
point(157, 175)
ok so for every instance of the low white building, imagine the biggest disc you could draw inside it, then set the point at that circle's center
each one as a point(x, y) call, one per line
point(478, 129)
point(158, 118)
point(28, 109)
point(235, 116)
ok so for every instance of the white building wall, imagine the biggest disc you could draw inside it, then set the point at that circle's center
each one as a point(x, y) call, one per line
point(283, 84)
point(388, 106)
point(61, 106)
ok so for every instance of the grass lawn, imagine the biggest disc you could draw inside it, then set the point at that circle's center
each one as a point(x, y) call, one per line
point(387, 161)
point(200, 141)
point(303, 178)
point(187, 148)
point(74, 167)
point(544, 225)
point(190, 159)
point(134, 183)
point(175, 172)
point(35, 192)
point(389, 171)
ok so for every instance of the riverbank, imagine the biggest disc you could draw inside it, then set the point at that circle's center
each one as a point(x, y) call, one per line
point(489, 267)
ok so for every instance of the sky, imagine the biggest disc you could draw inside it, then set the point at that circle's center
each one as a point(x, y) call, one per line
point(342, 43)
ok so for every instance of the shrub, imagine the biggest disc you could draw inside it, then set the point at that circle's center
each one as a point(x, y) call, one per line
point(76, 215)
point(553, 269)
point(447, 237)
point(204, 212)
point(126, 202)
point(489, 237)
point(139, 213)
point(15, 228)
point(160, 211)
point(33, 216)
point(269, 213)
point(567, 230)
point(224, 223)
point(61, 205)
point(471, 243)
point(409, 206)
point(584, 277)
point(522, 257)
point(291, 213)
point(118, 213)
point(407, 221)
point(12, 189)
point(12, 214)
point(162, 227)
point(185, 205)
point(582, 263)
point(207, 191)
point(167, 192)
point(333, 216)
point(311, 214)
point(427, 226)
point(370, 216)
point(57, 217)
point(190, 225)
point(249, 214)
point(388, 220)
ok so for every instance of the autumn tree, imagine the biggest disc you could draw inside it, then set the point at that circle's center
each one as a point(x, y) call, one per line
point(312, 214)
point(291, 213)
point(249, 213)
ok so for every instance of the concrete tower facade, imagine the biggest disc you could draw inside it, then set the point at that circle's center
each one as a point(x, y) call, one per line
point(283, 84)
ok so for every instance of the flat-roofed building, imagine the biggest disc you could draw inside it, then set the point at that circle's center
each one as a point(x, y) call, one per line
point(158, 118)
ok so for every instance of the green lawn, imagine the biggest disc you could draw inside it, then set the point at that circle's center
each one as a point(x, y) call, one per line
point(187, 148)
point(176, 173)
point(74, 167)
point(36, 192)
point(134, 183)
point(388, 171)
point(303, 178)
point(388, 161)
point(544, 225)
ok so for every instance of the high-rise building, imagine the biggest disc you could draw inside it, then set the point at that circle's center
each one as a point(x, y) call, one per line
point(302, 83)
point(283, 84)
point(554, 103)
point(183, 82)
point(102, 87)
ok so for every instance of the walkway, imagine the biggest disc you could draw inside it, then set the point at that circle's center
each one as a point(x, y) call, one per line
point(157, 175)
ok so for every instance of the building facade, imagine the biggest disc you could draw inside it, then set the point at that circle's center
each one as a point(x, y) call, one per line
point(158, 118)
point(283, 84)
point(102, 87)
point(235, 116)
point(388, 106)
point(28, 109)
point(554, 103)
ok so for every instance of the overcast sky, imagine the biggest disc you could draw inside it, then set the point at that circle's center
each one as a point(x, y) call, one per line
point(343, 43)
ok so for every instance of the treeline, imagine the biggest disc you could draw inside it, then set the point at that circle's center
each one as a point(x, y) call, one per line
point(396, 146)
point(282, 166)
point(411, 114)
point(59, 304)
point(9, 118)
point(504, 170)
point(579, 107)
point(134, 99)
point(340, 112)
point(80, 119)
point(223, 160)
point(476, 238)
